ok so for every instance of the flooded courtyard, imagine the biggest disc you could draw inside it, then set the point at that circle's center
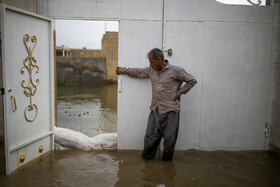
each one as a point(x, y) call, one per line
point(126, 168)
point(92, 111)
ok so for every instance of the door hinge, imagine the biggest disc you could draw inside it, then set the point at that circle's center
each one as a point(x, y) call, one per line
point(266, 130)
point(2, 91)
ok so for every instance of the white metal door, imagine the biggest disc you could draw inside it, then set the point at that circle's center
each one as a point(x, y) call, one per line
point(138, 34)
point(28, 82)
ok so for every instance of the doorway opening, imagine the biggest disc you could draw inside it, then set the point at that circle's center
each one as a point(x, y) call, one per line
point(86, 59)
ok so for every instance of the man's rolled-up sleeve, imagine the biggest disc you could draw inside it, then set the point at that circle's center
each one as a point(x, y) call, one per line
point(135, 72)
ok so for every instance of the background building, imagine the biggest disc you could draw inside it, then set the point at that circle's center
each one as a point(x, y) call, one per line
point(78, 66)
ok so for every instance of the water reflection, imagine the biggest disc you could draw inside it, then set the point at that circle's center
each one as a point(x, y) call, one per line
point(90, 169)
point(134, 171)
point(126, 168)
point(155, 173)
point(89, 110)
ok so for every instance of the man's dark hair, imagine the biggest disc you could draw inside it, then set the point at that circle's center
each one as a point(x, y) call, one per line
point(155, 53)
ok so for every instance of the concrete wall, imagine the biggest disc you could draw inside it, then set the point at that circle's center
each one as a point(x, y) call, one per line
point(77, 70)
point(275, 123)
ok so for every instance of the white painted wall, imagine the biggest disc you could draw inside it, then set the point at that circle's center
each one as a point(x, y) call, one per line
point(228, 48)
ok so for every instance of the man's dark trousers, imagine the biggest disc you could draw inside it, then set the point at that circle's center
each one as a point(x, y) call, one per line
point(161, 125)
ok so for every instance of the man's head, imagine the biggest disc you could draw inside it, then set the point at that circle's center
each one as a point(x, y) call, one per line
point(156, 58)
point(155, 53)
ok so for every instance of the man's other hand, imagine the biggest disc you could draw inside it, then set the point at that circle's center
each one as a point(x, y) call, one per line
point(177, 97)
point(118, 70)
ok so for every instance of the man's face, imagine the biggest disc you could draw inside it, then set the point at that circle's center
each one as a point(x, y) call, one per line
point(155, 63)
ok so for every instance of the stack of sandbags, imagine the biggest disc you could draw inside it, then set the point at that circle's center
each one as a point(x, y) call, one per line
point(66, 138)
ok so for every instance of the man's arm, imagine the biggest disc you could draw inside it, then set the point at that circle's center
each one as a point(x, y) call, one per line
point(190, 82)
point(134, 72)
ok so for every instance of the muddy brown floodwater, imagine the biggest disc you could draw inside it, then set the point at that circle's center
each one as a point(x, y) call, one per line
point(126, 168)
point(91, 110)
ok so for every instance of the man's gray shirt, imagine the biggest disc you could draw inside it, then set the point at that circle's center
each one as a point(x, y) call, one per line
point(165, 86)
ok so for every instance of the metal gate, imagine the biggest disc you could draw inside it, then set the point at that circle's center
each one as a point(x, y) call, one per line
point(27, 59)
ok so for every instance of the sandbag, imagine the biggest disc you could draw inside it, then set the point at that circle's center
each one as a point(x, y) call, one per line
point(106, 141)
point(69, 138)
point(66, 138)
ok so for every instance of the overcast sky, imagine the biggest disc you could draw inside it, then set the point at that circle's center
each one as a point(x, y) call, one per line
point(80, 33)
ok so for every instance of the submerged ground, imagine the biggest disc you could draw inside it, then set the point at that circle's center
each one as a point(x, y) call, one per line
point(126, 168)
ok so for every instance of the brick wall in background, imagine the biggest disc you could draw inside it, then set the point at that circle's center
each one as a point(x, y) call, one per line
point(110, 51)
point(79, 71)
point(87, 53)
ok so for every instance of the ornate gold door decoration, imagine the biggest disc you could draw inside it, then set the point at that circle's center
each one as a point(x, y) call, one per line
point(30, 88)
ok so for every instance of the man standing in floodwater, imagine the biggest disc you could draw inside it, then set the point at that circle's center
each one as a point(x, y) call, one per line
point(167, 89)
